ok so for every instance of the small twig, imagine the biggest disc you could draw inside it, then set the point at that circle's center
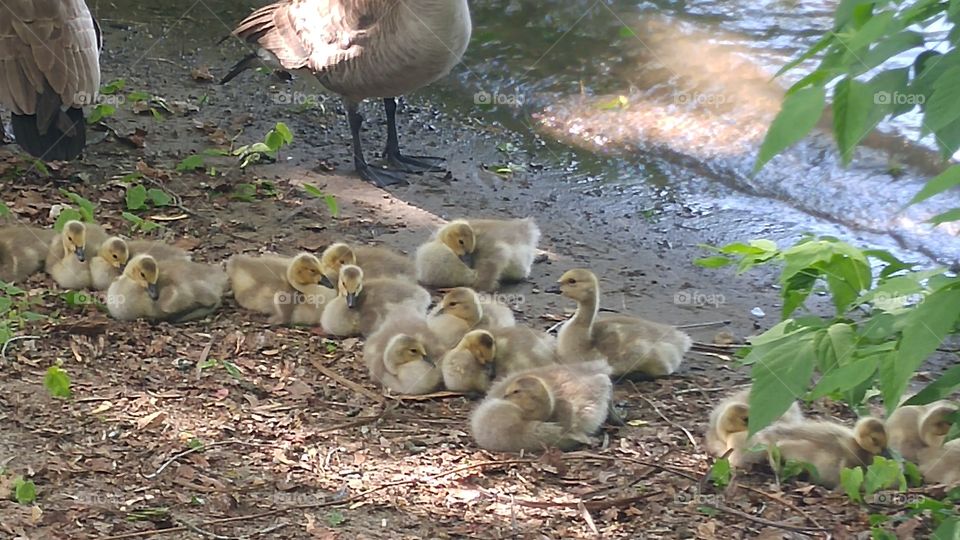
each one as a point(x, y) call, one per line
point(586, 505)
point(667, 420)
point(767, 522)
point(703, 324)
point(588, 518)
point(373, 396)
point(426, 397)
point(3, 351)
point(555, 326)
point(202, 532)
point(717, 389)
point(191, 451)
point(357, 422)
point(665, 468)
point(784, 502)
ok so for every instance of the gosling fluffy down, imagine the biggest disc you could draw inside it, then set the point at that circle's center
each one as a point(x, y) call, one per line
point(828, 446)
point(375, 261)
point(478, 253)
point(727, 431)
point(402, 355)
point(362, 305)
point(483, 355)
point(630, 345)
point(22, 251)
point(114, 252)
point(173, 290)
point(286, 288)
point(553, 406)
point(907, 433)
point(68, 258)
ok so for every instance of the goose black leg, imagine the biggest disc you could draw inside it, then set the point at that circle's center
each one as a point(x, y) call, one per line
point(414, 164)
point(378, 177)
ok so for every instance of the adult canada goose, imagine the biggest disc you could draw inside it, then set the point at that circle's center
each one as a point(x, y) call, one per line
point(49, 69)
point(363, 49)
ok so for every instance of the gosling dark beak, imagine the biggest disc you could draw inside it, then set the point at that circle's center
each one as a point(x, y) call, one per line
point(554, 289)
point(325, 281)
point(468, 259)
point(81, 253)
point(123, 266)
point(491, 370)
point(351, 300)
point(430, 361)
point(153, 292)
point(886, 454)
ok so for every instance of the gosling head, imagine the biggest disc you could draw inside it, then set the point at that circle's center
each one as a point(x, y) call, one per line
point(936, 423)
point(483, 347)
point(871, 435)
point(351, 284)
point(459, 237)
point(462, 303)
point(143, 270)
point(578, 284)
point(115, 251)
point(304, 270)
point(404, 349)
point(333, 259)
point(734, 418)
point(532, 396)
point(75, 239)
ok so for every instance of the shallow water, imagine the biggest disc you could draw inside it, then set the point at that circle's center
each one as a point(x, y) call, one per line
point(667, 96)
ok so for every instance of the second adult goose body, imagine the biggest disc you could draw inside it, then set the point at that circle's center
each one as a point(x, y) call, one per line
point(363, 49)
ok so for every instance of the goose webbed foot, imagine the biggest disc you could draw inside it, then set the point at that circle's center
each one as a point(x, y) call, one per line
point(379, 177)
point(413, 164)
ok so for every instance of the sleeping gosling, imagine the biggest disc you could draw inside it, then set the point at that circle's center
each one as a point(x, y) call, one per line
point(402, 354)
point(114, 252)
point(68, 258)
point(362, 305)
point(630, 345)
point(829, 447)
point(479, 253)
point(904, 428)
point(939, 462)
point(727, 431)
point(559, 406)
point(22, 251)
point(484, 355)
point(375, 261)
point(174, 290)
point(286, 288)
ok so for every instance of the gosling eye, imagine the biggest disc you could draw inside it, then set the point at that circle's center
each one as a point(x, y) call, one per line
point(461, 241)
point(571, 281)
point(143, 275)
point(115, 257)
point(414, 351)
point(452, 304)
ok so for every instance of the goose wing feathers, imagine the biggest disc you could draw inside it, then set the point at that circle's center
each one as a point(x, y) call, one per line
point(313, 34)
point(47, 44)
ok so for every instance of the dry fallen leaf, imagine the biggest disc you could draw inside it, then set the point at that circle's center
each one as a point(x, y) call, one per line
point(201, 73)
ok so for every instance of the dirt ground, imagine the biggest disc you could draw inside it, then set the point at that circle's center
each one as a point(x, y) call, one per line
point(297, 441)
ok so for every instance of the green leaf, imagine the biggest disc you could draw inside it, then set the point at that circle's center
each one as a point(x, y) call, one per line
point(25, 491)
point(4, 209)
point(159, 197)
point(925, 329)
point(67, 214)
point(721, 473)
point(948, 179)
point(138, 95)
point(136, 197)
point(943, 107)
point(113, 87)
point(883, 474)
point(57, 382)
point(313, 190)
point(949, 215)
point(232, 370)
point(948, 530)
point(194, 443)
point(939, 389)
point(713, 262)
point(285, 134)
point(86, 207)
point(332, 205)
point(821, 44)
point(335, 518)
point(846, 377)
point(888, 48)
point(851, 480)
point(100, 112)
point(852, 102)
point(191, 163)
point(799, 114)
point(779, 377)
point(245, 192)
